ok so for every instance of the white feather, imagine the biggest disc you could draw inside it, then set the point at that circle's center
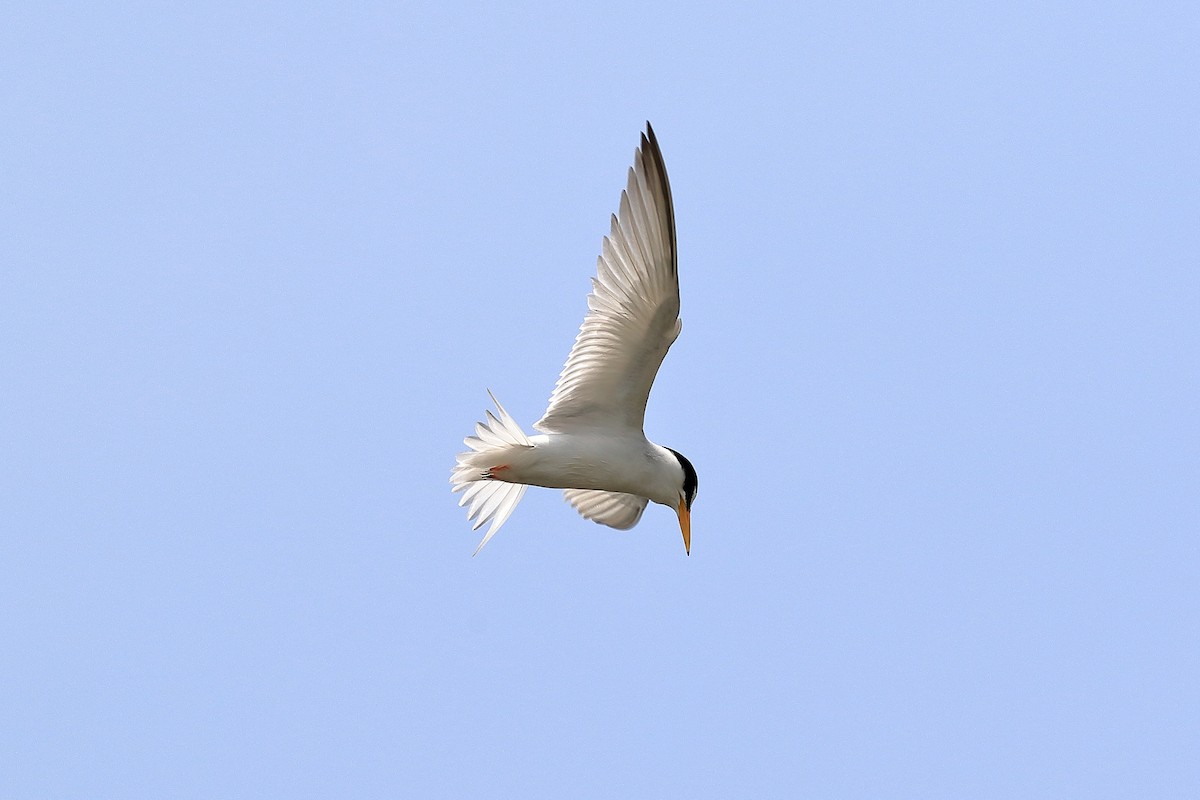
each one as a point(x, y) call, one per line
point(495, 443)
point(614, 509)
point(633, 310)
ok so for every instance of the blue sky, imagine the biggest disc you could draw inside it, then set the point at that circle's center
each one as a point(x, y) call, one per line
point(938, 375)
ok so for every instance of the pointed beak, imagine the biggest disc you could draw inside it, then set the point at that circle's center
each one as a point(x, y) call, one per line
point(685, 525)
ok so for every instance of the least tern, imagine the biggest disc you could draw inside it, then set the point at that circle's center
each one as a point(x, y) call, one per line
point(590, 442)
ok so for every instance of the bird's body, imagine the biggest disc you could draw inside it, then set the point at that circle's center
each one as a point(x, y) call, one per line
point(590, 442)
point(629, 463)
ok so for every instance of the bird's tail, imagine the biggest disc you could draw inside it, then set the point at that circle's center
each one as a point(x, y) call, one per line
point(491, 447)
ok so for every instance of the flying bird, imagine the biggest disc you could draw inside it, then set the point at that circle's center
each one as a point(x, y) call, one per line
point(590, 442)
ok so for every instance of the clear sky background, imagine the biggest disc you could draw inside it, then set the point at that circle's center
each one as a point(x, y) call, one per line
point(939, 372)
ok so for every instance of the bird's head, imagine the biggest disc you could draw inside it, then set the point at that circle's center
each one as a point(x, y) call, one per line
point(687, 494)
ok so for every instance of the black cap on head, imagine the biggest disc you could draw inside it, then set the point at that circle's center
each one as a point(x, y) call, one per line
point(691, 483)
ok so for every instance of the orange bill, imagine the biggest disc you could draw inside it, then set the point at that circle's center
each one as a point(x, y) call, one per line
point(685, 525)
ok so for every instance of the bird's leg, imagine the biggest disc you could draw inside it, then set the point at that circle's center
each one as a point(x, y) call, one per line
point(491, 473)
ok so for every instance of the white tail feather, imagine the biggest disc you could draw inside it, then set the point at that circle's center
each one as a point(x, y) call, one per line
point(488, 499)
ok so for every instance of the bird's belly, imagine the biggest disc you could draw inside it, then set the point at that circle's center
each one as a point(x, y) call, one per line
point(570, 462)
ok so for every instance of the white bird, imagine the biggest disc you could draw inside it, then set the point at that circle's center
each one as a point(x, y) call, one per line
point(591, 443)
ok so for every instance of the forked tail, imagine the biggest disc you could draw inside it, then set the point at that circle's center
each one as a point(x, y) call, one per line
point(492, 446)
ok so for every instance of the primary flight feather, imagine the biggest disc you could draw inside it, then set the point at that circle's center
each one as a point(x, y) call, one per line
point(591, 443)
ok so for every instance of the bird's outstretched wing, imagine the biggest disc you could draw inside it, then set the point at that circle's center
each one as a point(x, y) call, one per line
point(614, 509)
point(633, 310)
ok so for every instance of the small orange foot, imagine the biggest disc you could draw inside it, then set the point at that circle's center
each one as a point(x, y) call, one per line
point(491, 473)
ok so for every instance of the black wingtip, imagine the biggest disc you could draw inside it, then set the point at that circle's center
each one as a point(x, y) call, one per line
point(653, 157)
